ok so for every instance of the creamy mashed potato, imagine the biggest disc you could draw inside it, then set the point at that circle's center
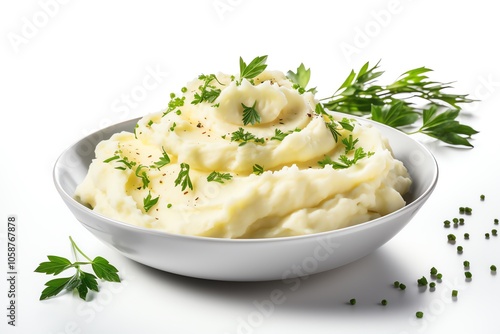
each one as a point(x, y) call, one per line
point(202, 168)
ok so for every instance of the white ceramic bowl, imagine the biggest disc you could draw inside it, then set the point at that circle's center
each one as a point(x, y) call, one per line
point(248, 259)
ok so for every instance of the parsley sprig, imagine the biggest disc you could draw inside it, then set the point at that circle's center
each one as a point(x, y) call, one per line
point(250, 114)
point(207, 92)
point(148, 201)
point(81, 281)
point(394, 104)
point(183, 178)
point(219, 177)
point(253, 69)
point(244, 137)
point(300, 79)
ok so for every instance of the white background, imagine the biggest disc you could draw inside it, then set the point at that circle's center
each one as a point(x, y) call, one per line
point(68, 69)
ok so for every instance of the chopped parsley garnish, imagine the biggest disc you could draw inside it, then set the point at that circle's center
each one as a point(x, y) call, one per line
point(257, 169)
point(244, 137)
point(183, 178)
point(250, 114)
point(219, 177)
point(149, 202)
point(163, 160)
point(344, 161)
point(175, 103)
point(207, 92)
point(127, 164)
point(142, 175)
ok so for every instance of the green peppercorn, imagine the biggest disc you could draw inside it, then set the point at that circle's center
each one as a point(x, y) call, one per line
point(466, 264)
point(451, 237)
point(466, 236)
point(468, 274)
point(419, 314)
point(396, 284)
point(494, 232)
point(493, 268)
point(352, 301)
point(439, 276)
point(402, 286)
point(487, 235)
point(383, 302)
point(432, 285)
point(433, 271)
point(446, 223)
point(460, 249)
point(454, 293)
point(482, 197)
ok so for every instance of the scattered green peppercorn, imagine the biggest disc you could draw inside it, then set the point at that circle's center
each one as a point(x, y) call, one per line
point(466, 236)
point(383, 302)
point(396, 284)
point(468, 274)
point(446, 223)
point(461, 221)
point(422, 281)
point(169, 205)
point(434, 271)
point(461, 209)
point(454, 293)
point(455, 220)
point(439, 276)
point(460, 249)
point(494, 232)
point(402, 286)
point(495, 221)
point(493, 268)
point(466, 264)
point(468, 210)
point(482, 197)
point(419, 314)
point(432, 285)
point(352, 301)
point(487, 235)
point(451, 237)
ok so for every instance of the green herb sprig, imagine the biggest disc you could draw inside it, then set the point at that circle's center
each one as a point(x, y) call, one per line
point(393, 104)
point(250, 114)
point(183, 178)
point(81, 281)
point(244, 137)
point(207, 92)
point(219, 177)
point(253, 69)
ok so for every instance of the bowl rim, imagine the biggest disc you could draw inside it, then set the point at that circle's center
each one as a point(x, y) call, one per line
point(344, 230)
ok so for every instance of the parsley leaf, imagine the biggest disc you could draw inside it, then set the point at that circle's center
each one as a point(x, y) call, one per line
point(300, 79)
point(81, 281)
point(207, 93)
point(257, 169)
point(183, 178)
point(250, 114)
point(149, 202)
point(218, 177)
point(163, 161)
point(143, 176)
point(254, 68)
point(245, 137)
